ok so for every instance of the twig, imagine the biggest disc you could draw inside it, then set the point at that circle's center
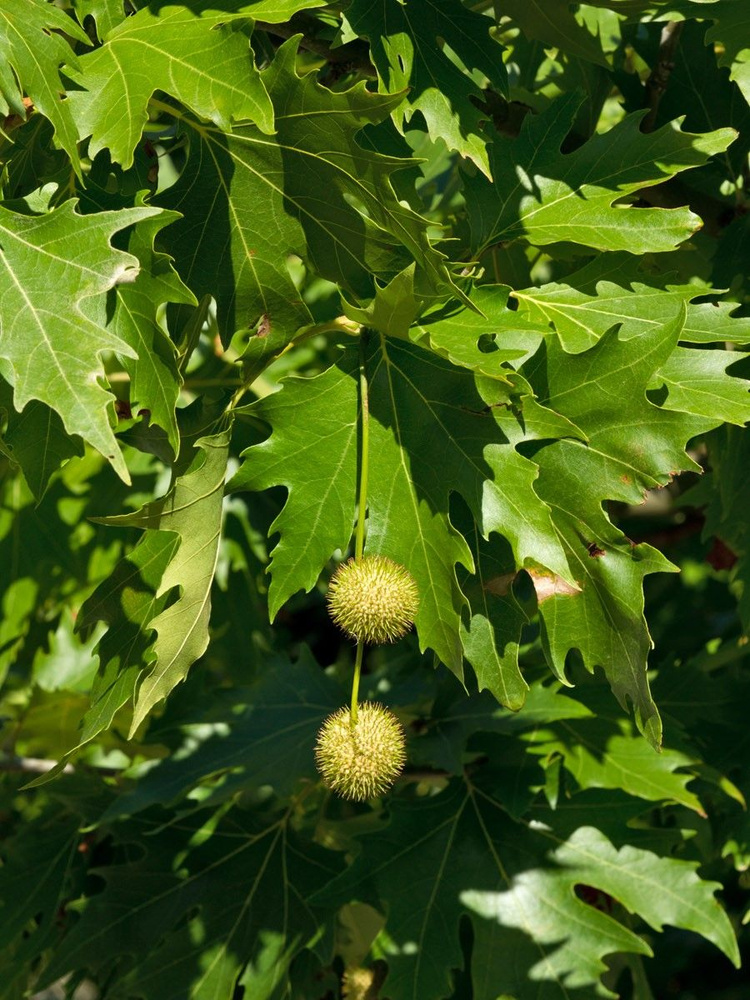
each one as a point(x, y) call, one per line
point(657, 82)
point(425, 774)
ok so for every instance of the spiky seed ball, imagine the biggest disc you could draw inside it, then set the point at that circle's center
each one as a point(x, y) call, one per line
point(373, 599)
point(359, 984)
point(361, 760)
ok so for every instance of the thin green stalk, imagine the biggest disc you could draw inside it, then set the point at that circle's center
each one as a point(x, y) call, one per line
point(364, 468)
point(364, 465)
point(355, 682)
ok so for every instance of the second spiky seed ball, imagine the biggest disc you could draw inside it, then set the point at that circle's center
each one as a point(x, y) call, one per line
point(373, 599)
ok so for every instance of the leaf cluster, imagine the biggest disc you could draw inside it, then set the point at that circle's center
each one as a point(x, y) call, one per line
point(513, 238)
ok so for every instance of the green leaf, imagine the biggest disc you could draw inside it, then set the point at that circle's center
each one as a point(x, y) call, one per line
point(660, 890)
point(249, 202)
point(242, 888)
point(49, 266)
point(127, 601)
point(546, 196)
point(555, 23)
point(107, 14)
point(200, 56)
point(312, 451)
point(405, 43)
point(434, 429)
point(393, 308)
point(601, 749)
point(482, 337)
point(154, 379)
point(704, 97)
point(35, 439)
point(35, 880)
point(726, 493)
point(65, 663)
point(608, 291)
point(265, 736)
point(485, 338)
point(191, 509)
point(518, 886)
point(276, 11)
point(730, 37)
point(498, 615)
point(697, 383)
point(633, 446)
point(455, 721)
point(32, 48)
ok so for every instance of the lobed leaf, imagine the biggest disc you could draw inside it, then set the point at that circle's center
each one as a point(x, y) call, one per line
point(197, 54)
point(154, 377)
point(49, 266)
point(32, 49)
point(545, 196)
point(608, 291)
point(533, 934)
point(250, 201)
point(633, 445)
point(405, 42)
point(312, 451)
point(239, 899)
point(192, 510)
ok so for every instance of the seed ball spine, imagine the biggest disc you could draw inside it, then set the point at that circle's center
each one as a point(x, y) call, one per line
point(361, 760)
point(373, 599)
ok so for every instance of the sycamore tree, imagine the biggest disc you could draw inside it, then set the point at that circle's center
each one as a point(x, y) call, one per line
point(369, 371)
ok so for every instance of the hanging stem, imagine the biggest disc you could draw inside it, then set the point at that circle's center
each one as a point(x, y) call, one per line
point(364, 465)
point(364, 468)
point(355, 682)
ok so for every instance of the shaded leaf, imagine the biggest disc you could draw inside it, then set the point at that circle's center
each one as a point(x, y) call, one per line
point(601, 749)
point(154, 378)
point(237, 895)
point(250, 202)
point(436, 429)
point(405, 42)
point(731, 33)
point(191, 509)
point(555, 23)
point(32, 48)
point(517, 884)
point(36, 440)
point(35, 878)
point(727, 513)
point(127, 602)
point(498, 614)
point(265, 736)
point(632, 446)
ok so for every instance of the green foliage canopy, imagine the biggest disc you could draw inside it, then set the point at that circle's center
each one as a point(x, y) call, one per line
point(474, 277)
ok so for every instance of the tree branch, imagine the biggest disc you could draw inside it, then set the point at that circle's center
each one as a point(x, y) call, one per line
point(657, 82)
